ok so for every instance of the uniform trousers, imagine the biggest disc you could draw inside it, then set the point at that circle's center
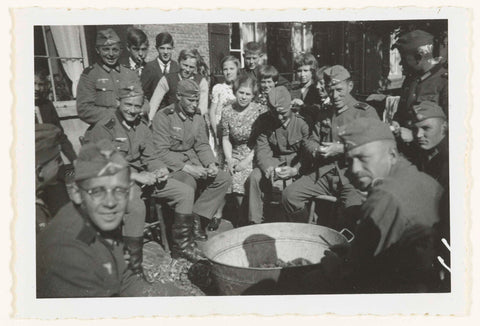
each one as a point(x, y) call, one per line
point(257, 185)
point(178, 195)
point(213, 191)
point(296, 195)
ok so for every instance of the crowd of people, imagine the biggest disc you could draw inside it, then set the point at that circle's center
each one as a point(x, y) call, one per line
point(157, 131)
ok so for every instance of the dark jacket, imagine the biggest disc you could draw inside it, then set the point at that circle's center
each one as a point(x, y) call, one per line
point(49, 115)
point(151, 75)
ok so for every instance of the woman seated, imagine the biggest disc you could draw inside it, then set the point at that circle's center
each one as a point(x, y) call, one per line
point(237, 121)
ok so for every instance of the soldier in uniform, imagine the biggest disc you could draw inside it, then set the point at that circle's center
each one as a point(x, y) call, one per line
point(426, 78)
point(393, 249)
point(325, 150)
point(132, 137)
point(430, 132)
point(47, 165)
point(181, 141)
point(280, 135)
point(97, 91)
point(80, 254)
point(430, 154)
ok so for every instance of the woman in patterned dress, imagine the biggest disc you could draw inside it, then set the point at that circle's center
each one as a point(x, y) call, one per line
point(222, 95)
point(237, 120)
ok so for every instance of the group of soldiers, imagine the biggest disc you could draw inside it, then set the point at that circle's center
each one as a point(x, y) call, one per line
point(149, 137)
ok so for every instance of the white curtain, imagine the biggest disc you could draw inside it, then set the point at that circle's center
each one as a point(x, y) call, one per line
point(69, 41)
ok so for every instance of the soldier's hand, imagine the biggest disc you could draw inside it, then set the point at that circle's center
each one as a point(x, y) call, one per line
point(161, 174)
point(198, 172)
point(144, 178)
point(269, 172)
point(331, 149)
point(286, 172)
point(296, 102)
point(395, 128)
point(212, 170)
point(406, 135)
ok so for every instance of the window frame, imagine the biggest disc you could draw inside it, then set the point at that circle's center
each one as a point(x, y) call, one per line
point(48, 57)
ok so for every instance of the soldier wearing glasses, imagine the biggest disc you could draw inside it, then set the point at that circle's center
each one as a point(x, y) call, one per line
point(80, 253)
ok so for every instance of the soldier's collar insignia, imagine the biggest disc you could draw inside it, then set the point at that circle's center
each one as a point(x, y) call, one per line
point(182, 115)
point(108, 267)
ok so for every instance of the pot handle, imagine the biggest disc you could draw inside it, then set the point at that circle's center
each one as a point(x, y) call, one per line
point(347, 234)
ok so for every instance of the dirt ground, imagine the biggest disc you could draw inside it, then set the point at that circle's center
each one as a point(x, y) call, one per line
point(176, 277)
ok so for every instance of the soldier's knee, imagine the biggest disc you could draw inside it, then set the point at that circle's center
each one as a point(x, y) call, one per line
point(223, 178)
point(255, 177)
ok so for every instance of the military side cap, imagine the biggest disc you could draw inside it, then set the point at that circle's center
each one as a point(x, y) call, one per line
point(426, 110)
point(107, 37)
point(47, 142)
point(130, 89)
point(335, 74)
point(411, 41)
point(188, 87)
point(98, 160)
point(280, 97)
point(363, 131)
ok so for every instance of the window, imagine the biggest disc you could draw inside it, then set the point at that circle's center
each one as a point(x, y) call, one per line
point(60, 52)
point(242, 33)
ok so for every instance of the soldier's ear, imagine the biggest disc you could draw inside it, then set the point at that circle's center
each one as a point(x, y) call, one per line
point(74, 194)
point(444, 127)
point(350, 85)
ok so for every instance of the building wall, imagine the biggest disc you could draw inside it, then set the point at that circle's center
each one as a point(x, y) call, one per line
point(185, 36)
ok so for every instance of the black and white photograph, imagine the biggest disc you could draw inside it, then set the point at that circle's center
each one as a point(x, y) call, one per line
point(241, 159)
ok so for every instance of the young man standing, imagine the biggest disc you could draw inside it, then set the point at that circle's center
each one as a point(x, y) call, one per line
point(162, 65)
point(137, 47)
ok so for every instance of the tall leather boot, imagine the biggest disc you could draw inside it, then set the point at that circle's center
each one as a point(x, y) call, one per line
point(198, 228)
point(134, 247)
point(183, 245)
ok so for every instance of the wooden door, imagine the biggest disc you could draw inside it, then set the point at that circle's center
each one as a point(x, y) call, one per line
point(219, 44)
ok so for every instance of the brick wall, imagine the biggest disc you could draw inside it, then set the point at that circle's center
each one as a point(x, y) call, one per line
point(185, 36)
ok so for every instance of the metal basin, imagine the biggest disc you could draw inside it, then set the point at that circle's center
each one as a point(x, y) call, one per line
point(239, 256)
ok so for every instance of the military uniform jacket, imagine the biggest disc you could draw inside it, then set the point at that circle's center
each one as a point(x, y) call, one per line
point(431, 86)
point(74, 260)
point(277, 143)
point(181, 139)
point(393, 249)
point(98, 91)
point(135, 142)
point(435, 162)
point(326, 128)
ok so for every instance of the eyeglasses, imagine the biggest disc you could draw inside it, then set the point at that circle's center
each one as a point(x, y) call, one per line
point(99, 193)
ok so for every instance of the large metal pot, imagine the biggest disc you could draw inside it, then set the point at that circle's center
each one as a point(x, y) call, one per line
point(239, 256)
